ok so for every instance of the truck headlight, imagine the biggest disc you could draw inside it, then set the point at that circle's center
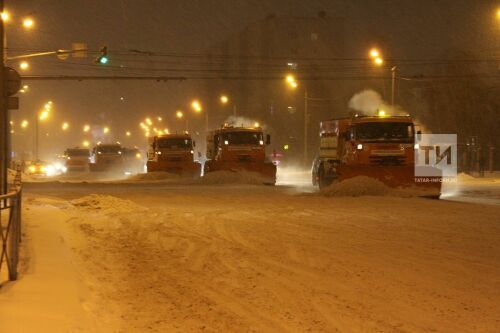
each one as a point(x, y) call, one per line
point(226, 142)
point(360, 146)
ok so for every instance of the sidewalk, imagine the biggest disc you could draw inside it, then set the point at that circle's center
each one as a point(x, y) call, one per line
point(49, 295)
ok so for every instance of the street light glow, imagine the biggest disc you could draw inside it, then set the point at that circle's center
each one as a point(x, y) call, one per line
point(291, 81)
point(148, 120)
point(224, 99)
point(128, 133)
point(179, 114)
point(105, 130)
point(65, 126)
point(378, 61)
point(5, 16)
point(28, 23)
point(24, 65)
point(196, 105)
point(374, 53)
point(24, 124)
point(86, 143)
point(86, 128)
point(44, 115)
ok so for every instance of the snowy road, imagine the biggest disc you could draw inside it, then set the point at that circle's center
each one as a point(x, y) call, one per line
point(233, 258)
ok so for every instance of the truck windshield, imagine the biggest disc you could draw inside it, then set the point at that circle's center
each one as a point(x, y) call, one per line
point(109, 149)
point(243, 138)
point(174, 143)
point(77, 152)
point(379, 131)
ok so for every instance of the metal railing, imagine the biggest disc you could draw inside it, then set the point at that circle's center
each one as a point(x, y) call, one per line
point(10, 227)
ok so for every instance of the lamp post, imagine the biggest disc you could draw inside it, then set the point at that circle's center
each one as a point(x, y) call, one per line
point(293, 84)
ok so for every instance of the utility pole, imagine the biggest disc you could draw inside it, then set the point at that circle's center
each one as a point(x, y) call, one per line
point(4, 116)
point(393, 83)
point(306, 116)
point(36, 143)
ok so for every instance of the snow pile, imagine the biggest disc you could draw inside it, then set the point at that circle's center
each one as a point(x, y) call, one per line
point(356, 187)
point(106, 203)
point(157, 175)
point(231, 177)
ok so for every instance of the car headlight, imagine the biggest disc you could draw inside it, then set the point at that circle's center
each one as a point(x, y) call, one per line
point(360, 146)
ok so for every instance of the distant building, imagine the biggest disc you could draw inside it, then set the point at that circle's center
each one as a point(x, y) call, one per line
point(251, 65)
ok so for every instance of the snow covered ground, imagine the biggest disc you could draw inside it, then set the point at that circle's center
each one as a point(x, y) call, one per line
point(166, 257)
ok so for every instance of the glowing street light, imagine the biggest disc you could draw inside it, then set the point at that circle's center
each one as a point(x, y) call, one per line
point(24, 124)
point(127, 133)
point(224, 99)
point(291, 81)
point(5, 16)
point(378, 61)
point(86, 128)
point(86, 143)
point(179, 114)
point(196, 105)
point(374, 53)
point(148, 120)
point(105, 130)
point(28, 23)
point(65, 126)
point(24, 65)
point(159, 118)
point(43, 115)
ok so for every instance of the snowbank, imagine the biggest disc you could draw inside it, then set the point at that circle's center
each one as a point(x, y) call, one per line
point(106, 203)
point(157, 175)
point(356, 187)
point(230, 177)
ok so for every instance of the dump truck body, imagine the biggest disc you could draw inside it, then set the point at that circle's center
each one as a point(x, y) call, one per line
point(107, 158)
point(77, 160)
point(239, 149)
point(173, 153)
point(377, 147)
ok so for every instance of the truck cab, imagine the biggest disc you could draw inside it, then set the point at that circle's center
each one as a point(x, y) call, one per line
point(107, 157)
point(239, 148)
point(173, 153)
point(77, 159)
point(380, 147)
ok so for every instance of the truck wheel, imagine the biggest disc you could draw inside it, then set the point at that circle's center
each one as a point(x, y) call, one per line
point(323, 180)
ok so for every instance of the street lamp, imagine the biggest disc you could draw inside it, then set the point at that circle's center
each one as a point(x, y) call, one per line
point(105, 130)
point(86, 128)
point(127, 133)
point(224, 99)
point(24, 124)
point(196, 106)
point(24, 65)
point(293, 83)
point(5, 16)
point(179, 115)
point(65, 126)
point(28, 23)
point(379, 61)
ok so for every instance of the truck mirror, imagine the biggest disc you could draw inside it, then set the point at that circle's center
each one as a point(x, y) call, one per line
point(419, 135)
point(268, 139)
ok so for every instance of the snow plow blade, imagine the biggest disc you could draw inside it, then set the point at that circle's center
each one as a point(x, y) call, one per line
point(181, 169)
point(266, 170)
point(397, 176)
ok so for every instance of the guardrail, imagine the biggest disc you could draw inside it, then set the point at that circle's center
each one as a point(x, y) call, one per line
point(10, 227)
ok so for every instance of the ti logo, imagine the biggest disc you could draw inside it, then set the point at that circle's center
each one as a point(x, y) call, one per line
point(436, 154)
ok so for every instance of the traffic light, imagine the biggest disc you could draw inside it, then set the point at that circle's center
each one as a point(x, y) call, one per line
point(103, 57)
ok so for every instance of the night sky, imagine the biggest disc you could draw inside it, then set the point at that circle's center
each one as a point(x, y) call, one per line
point(403, 29)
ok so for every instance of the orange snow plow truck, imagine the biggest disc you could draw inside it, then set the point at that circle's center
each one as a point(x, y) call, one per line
point(380, 147)
point(172, 153)
point(239, 149)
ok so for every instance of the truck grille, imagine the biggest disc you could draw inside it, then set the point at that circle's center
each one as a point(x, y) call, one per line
point(174, 159)
point(387, 160)
point(244, 158)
